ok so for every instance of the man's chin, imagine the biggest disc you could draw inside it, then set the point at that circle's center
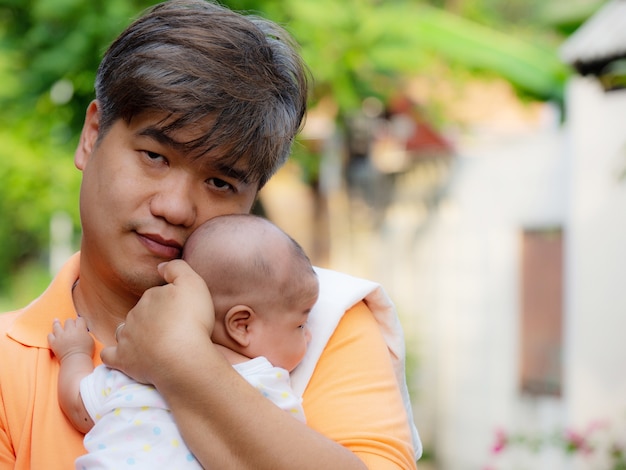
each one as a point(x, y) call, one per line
point(138, 283)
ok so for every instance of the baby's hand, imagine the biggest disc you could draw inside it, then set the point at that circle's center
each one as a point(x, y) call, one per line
point(72, 339)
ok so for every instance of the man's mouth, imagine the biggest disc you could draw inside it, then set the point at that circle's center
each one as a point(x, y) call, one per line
point(159, 246)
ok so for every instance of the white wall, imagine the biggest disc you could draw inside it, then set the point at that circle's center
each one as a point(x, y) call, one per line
point(465, 293)
point(596, 347)
point(471, 256)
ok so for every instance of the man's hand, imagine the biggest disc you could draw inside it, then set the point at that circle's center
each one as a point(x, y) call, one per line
point(166, 323)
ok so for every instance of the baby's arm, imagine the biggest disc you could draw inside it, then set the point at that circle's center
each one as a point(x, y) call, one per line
point(73, 346)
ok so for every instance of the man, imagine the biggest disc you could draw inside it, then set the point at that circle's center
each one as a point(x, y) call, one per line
point(196, 107)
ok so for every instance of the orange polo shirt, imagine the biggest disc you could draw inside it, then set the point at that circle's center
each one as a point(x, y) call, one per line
point(359, 407)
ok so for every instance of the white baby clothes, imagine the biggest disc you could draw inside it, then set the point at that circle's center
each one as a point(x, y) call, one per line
point(274, 383)
point(134, 429)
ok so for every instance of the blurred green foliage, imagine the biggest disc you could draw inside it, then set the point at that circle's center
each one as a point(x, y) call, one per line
point(50, 49)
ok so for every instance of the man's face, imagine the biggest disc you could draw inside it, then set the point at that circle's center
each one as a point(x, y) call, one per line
point(141, 197)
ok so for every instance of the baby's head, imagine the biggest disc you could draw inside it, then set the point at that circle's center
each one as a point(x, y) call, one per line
point(262, 284)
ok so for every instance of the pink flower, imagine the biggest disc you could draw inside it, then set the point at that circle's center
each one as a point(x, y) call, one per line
point(501, 441)
point(597, 425)
point(575, 441)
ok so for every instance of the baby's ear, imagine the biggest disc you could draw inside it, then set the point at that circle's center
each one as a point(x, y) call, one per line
point(237, 322)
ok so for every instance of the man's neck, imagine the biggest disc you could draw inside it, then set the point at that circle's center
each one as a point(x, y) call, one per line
point(101, 318)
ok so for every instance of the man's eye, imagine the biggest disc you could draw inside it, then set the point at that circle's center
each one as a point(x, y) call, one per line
point(220, 184)
point(154, 155)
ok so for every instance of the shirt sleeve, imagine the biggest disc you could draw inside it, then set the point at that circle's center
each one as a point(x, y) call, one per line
point(353, 396)
point(93, 391)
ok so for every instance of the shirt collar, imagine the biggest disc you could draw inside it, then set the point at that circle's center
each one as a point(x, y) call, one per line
point(32, 326)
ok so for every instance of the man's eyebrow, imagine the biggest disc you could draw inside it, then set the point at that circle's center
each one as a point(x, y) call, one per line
point(159, 136)
point(235, 173)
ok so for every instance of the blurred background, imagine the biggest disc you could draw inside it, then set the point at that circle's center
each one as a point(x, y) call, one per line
point(469, 155)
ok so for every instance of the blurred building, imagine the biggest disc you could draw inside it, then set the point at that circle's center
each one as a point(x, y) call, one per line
point(503, 254)
point(515, 289)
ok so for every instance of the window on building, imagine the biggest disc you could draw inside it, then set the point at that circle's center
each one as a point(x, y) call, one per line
point(541, 322)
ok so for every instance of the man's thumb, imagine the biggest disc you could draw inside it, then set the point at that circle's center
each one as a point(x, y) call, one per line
point(109, 356)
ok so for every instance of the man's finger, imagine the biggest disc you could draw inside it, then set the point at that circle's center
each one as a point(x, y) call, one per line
point(109, 356)
point(177, 272)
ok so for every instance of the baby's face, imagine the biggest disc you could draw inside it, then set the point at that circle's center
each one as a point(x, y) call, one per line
point(289, 338)
point(284, 333)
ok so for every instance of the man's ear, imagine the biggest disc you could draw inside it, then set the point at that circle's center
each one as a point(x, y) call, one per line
point(237, 321)
point(88, 136)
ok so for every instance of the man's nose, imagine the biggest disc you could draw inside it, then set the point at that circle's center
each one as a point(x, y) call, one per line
point(175, 201)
